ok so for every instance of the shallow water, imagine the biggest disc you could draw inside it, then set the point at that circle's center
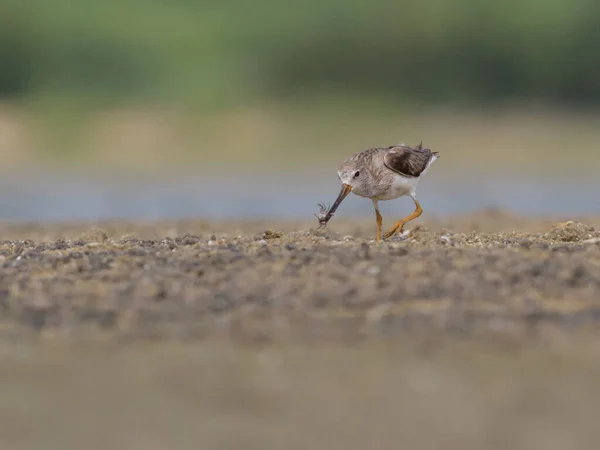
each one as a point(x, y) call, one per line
point(217, 196)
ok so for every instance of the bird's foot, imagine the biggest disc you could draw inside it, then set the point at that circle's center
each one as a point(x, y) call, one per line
point(392, 231)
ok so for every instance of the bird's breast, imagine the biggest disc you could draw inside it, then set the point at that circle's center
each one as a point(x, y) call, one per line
point(397, 187)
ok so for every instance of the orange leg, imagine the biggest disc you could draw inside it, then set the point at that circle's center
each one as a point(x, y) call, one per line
point(379, 220)
point(399, 226)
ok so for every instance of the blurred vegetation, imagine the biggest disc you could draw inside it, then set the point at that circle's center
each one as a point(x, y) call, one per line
point(211, 53)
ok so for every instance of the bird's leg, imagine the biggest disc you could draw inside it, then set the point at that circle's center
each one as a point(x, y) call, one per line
point(399, 226)
point(379, 220)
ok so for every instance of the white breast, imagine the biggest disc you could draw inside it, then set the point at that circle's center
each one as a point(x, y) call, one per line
point(401, 186)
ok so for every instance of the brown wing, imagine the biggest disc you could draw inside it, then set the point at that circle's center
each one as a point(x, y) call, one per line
point(407, 160)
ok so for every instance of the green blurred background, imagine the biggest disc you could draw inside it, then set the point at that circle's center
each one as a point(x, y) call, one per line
point(208, 54)
point(217, 87)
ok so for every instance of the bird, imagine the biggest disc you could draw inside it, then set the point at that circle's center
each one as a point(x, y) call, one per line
point(383, 173)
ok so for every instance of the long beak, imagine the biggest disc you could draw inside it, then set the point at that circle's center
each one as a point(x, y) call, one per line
point(346, 189)
point(325, 215)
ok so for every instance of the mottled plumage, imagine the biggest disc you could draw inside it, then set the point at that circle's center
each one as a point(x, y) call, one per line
point(383, 173)
point(407, 160)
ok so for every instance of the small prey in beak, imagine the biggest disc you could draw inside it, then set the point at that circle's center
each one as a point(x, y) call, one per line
point(324, 214)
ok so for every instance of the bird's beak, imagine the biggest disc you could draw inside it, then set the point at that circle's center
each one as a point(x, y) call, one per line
point(346, 189)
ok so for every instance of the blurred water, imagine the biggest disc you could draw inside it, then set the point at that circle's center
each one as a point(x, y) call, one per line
point(64, 197)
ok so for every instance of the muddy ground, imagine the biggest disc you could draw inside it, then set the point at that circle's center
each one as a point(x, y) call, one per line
point(267, 281)
point(471, 332)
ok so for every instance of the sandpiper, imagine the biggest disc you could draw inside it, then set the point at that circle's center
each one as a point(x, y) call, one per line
point(383, 173)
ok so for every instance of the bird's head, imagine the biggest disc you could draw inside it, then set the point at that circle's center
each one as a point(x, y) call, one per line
point(354, 177)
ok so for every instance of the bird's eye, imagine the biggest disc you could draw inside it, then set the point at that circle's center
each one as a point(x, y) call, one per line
point(357, 174)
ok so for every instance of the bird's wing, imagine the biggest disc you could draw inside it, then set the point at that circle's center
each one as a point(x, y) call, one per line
point(407, 160)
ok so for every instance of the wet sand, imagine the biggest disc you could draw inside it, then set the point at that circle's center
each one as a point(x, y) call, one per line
point(472, 332)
